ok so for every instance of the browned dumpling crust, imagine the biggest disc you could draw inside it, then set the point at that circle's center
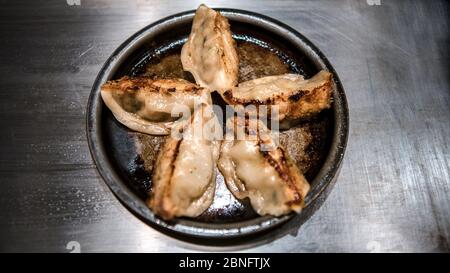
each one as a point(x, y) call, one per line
point(145, 105)
point(295, 97)
point(210, 51)
point(260, 169)
point(185, 169)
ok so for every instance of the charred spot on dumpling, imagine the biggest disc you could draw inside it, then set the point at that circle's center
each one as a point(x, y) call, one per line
point(297, 96)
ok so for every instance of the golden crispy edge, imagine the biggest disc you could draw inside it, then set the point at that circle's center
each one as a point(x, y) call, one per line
point(279, 159)
point(128, 84)
point(300, 104)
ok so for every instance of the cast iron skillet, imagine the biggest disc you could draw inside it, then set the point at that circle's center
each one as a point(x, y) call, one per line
point(111, 147)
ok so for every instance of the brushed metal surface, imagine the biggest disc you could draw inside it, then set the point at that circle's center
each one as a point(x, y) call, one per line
point(393, 192)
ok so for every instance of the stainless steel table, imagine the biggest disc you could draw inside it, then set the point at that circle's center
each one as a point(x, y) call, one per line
point(393, 193)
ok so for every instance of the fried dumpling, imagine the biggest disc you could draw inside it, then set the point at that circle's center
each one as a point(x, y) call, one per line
point(146, 105)
point(185, 169)
point(210, 51)
point(295, 97)
point(255, 166)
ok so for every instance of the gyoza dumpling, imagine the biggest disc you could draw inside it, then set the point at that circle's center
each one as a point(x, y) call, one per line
point(254, 166)
point(210, 52)
point(185, 169)
point(295, 97)
point(146, 105)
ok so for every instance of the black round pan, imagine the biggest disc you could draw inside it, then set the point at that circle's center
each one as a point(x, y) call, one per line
point(267, 46)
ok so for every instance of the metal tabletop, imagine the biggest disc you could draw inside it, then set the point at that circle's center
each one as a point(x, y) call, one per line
point(393, 192)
